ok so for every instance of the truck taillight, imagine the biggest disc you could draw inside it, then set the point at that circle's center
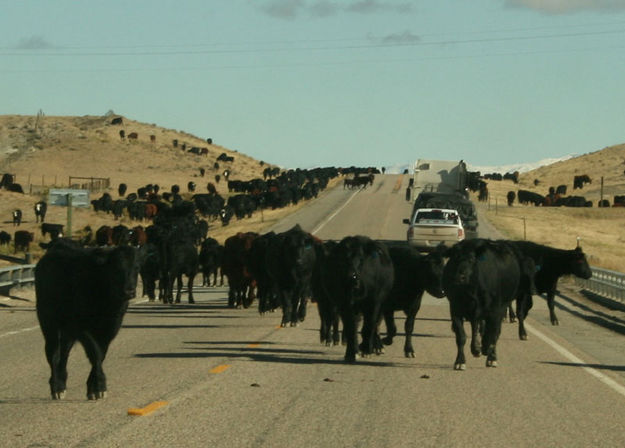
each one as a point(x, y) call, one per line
point(460, 233)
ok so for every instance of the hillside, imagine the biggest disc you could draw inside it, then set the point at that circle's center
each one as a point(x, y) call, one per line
point(600, 229)
point(45, 152)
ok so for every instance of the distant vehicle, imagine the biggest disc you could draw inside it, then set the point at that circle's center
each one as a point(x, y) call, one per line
point(454, 201)
point(430, 227)
point(439, 176)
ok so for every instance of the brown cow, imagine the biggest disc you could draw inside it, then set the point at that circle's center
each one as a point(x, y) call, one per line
point(152, 138)
point(133, 136)
point(150, 211)
point(138, 237)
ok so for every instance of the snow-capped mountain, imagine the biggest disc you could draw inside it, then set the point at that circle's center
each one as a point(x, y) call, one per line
point(484, 169)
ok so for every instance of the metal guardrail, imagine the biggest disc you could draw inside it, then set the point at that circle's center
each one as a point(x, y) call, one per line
point(605, 283)
point(17, 275)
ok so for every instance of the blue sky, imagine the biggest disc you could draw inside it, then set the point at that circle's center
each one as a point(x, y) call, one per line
point(303, 83)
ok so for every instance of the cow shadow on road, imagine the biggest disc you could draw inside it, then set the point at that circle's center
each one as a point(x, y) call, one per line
point(596, 317)
point(593, 366)
point(270, 355)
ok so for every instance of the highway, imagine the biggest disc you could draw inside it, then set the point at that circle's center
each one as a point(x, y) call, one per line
point(204, 375)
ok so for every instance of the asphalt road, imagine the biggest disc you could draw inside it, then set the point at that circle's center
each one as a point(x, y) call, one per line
point(212, 375)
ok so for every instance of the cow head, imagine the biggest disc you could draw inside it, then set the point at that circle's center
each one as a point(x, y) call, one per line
point(122, 269)
point(434, 266)
point(579, 264)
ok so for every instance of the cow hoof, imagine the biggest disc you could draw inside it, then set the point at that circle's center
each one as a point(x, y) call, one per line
point(387, 341)
point(96, 395)
point(523, 337)
point(283, 325)
point(293, 324)
point(409, 354)
point(58, 395)
point(460, 366)
point(491, 363)
point(555, 322)
point(191, 301)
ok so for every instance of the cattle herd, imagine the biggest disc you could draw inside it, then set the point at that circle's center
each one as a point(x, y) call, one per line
point(356, 281)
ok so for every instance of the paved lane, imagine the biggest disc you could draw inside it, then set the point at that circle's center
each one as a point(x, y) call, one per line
point(234, 378)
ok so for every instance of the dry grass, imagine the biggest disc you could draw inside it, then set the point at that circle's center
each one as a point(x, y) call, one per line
point(89, 146)
point(601, 229)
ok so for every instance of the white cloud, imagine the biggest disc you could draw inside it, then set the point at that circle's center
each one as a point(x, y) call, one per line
point(33, 43)
point(290, 9)
point(566, 6)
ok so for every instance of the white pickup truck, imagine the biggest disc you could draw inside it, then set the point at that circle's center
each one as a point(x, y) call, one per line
point(430, 227)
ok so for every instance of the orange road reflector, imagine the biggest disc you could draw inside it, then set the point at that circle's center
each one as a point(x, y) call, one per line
point(220, 368)
point(148, 409)
point(253, 345)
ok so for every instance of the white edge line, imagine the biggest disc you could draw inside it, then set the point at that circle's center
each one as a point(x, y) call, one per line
point(10, 333)
point(329, 218)
point(571, 357)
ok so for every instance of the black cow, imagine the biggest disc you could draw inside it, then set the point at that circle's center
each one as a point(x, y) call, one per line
point(17, 217)
point(290, 260)
point(181, 258)
point(359, 276)
point(54, 230)
point(256, 261)
point(121, 189)
point(22, 240)
point(527, 197)
point(561, 190)
point(510, 197)
point(329, 315)
point(5, 238)
point(414, 274)
point(550, 264)
point(82, 295)
point(579, 181)
point(234, 266)
point(41, 209)
point(120, 235)
point(480, 279)
point(149, 269)
point(211, 254)
point(117, 120)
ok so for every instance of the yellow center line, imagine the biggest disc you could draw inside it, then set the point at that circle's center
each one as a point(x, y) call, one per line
point(254, 345)
point(148, 409)
point(220, 368)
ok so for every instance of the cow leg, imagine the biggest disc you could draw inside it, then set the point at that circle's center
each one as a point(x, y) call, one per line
point(461, 339)
point(54, 355)
point(409, 328)
point(96, 382)
point(178, 287)
point(511, 316)
point(476, 337)
point(551, 302)
point(523, 307)
point(301, 309)
point(369, 326)
point(190, 288)
point(492, 329)
point(336, 336)
point(391, 328)
point(287, 306)
point(350, 334)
